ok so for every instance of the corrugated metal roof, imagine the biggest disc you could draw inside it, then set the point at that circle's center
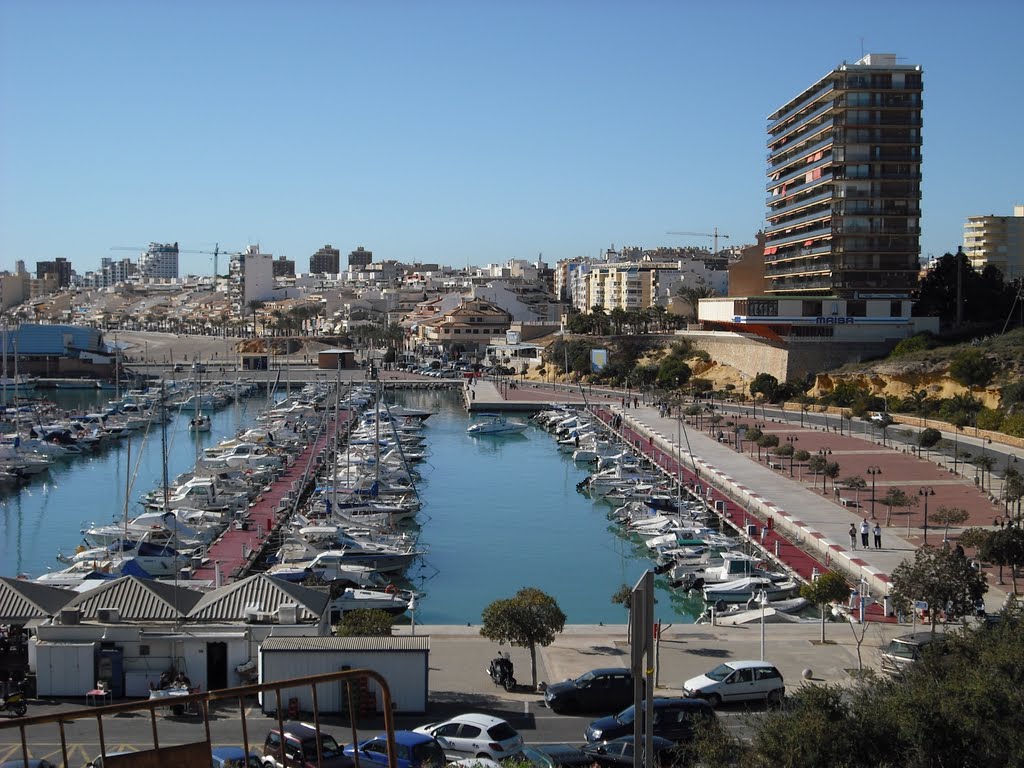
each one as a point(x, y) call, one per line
point(22, 601)
point(262, 592)
point(382, 643)
point(138, 600)
point(33, 339)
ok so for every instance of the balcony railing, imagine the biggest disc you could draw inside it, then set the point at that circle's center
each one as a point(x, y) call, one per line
point(33, 730)
point(790, 223)
point(806, 120)
point(796, 205)
point(825, 179)
point(799, 237)
point(806, 150)
point(823, 90)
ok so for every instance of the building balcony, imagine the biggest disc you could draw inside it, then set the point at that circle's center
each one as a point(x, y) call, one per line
point(799, 237)
point(878, 118)
point(815, 267)
point(808, 97)
point(803, 170)
point(803, 252)
point(795, 205)
point(807, 185)
point(796, 285)
point(825, 213)
point(801, 150)
point(789, 132)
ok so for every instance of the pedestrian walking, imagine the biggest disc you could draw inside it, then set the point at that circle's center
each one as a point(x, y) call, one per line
point(864, 530)
point(878, 536)
point(853, 537)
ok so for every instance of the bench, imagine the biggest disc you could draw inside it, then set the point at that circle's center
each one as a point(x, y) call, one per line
point(776, 465)
point(848, 502)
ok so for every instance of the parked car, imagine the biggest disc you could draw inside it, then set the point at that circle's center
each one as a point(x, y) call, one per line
point(881, 419)
point(179, 367)
point(738, 681)
point(413, 750)
point(556, 755)
point(299, 743)
point(32, 763)
point(476, 735)
point(599, 690)
point(619, 752)
point(673, 720)
point(199, 367)
point(97, 762)
point(234, 757)
point(903, 651)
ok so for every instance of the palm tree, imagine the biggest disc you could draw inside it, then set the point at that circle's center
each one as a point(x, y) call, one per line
point(254, 306)
point(618, 317)
point(692, 294)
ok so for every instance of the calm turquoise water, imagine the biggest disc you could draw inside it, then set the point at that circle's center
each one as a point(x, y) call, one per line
point(499, 514)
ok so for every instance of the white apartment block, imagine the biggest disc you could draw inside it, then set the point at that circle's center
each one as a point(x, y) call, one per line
point(996, 240)
point(160, 261)
point(251, 278)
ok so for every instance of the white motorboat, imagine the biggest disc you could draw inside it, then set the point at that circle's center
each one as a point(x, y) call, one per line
point(496, 425)
point(394, 602)
point(741, 590)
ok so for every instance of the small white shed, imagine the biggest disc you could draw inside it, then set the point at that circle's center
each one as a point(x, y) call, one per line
point(404, 661)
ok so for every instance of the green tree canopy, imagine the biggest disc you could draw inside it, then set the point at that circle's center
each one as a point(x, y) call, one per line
point(528, 619)
point(972, 368)
point(827, 588)
point(362, 622)
point(940, 577)
point(764, 384)
point(928, 438)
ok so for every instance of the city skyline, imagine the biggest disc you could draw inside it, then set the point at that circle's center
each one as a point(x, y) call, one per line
point(455, 132)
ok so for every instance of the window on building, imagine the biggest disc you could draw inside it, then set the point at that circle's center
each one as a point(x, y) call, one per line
point(896, 309)
point(811, 309)
point(857, 308)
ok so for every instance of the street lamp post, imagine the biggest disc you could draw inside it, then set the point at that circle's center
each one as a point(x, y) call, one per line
point(926, 492)
point(873, 471)
point(824, 453)
point(792, 439)
point(762, 598)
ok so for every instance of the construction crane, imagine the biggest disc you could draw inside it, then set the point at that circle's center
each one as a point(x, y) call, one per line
point(215, 252)
point(714, 235)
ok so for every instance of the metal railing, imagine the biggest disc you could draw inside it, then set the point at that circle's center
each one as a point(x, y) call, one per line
point(199, 703)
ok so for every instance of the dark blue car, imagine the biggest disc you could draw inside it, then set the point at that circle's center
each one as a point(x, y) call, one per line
point(413, 750)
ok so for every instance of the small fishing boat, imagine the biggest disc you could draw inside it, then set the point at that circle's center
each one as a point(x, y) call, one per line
point(200, 423)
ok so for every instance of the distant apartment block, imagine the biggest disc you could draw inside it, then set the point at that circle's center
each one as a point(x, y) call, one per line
point(250, 278)
point(60, 268)
point(997, 240)
point(159, 262)
point(359, 258)
point(844, 184)
point(284, 267)
point(326, 261)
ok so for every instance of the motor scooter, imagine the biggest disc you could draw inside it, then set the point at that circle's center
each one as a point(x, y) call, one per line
point(500, 670)
point(14, 702)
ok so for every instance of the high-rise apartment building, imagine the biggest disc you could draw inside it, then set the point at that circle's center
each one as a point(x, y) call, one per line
point(359, 258)
point(844, 184)
point(59, 267)
point(160, 261)
point(284, 267)
point(326, 261)
point(997, 240)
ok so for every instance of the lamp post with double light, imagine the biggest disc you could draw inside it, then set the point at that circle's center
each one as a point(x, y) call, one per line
point(926, 491)
point(824, 453)
point(873, 471)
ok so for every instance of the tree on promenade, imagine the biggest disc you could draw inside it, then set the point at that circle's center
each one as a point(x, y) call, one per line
point(1004, 546)
point(947, 516)
point(895, 497)
point(829, 587)
point(528, 619)
point(940, 577)
point(766, 441)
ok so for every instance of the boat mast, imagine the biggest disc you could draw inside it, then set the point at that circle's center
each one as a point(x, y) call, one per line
point(196, 397)
point(334, 466)
point(4, 375)
point(127, 490)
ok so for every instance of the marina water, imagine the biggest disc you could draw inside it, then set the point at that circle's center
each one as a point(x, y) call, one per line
point(498, 514)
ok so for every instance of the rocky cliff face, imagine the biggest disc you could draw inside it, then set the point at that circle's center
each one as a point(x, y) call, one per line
point(938, 385)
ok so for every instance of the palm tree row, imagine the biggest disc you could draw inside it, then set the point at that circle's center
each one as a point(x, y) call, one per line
point(600, 322)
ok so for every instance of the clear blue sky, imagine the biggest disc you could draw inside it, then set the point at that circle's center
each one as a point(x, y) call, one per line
point(458, 132)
